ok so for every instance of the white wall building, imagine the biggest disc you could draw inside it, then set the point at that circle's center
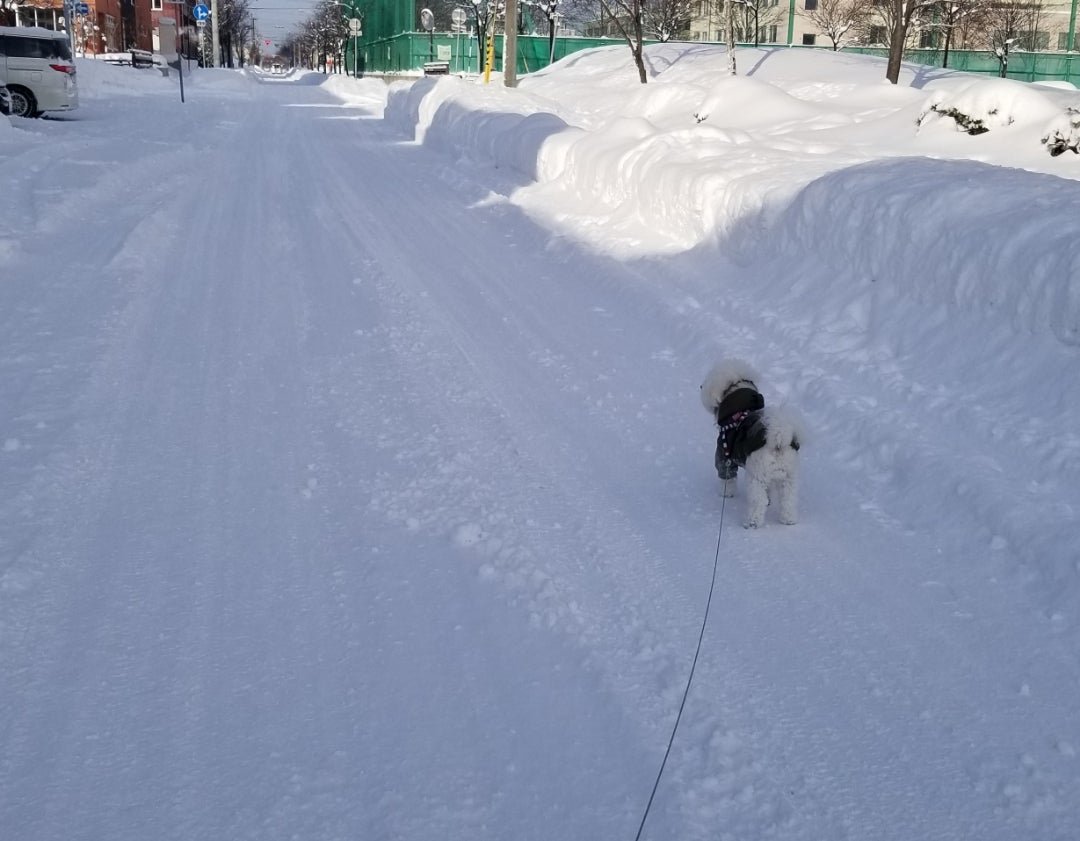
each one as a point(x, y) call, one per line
point(786, 22)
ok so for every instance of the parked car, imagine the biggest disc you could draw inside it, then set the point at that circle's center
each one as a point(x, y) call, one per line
point(39, 70)
point(5, 100)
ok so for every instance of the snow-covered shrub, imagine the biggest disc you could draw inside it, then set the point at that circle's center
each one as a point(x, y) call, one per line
point(986, 104)
point(964, 122)
point(1063, 134)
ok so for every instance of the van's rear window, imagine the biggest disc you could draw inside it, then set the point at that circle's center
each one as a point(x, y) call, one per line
point(48, 48)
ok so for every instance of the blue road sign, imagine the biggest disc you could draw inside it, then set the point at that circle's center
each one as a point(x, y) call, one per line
point(201, 12)
point(82, 9)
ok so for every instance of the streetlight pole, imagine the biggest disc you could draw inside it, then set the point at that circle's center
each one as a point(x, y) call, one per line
point(215, 38)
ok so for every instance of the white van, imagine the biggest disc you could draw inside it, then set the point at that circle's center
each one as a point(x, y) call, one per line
point(37, 66)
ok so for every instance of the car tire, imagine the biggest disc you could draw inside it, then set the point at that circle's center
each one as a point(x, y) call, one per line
point(23, 103)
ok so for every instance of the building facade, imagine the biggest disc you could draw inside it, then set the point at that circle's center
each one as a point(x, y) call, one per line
point(1036, 25)
point(108, 26)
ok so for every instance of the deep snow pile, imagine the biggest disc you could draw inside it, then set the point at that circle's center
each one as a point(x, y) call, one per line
point(697, 153)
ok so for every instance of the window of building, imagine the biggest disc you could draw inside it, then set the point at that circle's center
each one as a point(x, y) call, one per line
point(155, 5)
point(811, 5)
point(809, 39)
point(878, 35)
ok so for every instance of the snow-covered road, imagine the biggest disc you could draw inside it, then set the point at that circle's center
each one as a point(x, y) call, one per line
point(339, 500)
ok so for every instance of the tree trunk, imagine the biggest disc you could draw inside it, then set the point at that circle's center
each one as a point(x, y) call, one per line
point(632, 30)
point(729, 11)
point(639, 61)
point(639, 47)
point(896, 42)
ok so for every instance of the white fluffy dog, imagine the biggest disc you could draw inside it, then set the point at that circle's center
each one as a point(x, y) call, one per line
point(763, 441)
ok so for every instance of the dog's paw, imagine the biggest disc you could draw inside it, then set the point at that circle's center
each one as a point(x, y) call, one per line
point(787, 521)
point(752, 524)
point(728, 489)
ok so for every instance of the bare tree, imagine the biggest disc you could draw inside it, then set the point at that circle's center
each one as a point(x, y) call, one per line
point(234, 22)
point(899, 16)
point(840, 20)
point(298, 47)
point(957, 17)
point(323, 35)
point(627, 17)
point(549, 9)
point(580, 12)
point(487, 14)
point(968, 29)
point(756, 15)
point(667, 19)
point(1011, 24)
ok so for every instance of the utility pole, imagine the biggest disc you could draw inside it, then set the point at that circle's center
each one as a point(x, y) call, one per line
point(215, 39)
point(510, 44)
point(1070, 39)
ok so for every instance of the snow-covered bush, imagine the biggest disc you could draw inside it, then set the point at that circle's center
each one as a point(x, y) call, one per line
point(987, 104)
point(964, 122)
point(1063, 134)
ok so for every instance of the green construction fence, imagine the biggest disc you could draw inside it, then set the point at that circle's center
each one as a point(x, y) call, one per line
point(389, 44)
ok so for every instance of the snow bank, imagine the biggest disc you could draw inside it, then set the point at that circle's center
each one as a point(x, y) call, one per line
point(940, 238)
point(800, 153)
point(100, 80)
point(364, 93)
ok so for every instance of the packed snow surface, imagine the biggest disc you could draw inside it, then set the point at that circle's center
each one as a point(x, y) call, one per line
point(354, 481)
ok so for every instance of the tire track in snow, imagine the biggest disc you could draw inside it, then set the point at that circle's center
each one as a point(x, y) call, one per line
point(486, 357)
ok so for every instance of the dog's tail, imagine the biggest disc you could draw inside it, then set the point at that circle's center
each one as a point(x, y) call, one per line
point(784, 428)
point(721, 377)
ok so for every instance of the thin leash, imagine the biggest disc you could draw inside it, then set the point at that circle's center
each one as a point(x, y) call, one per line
point(690, 679)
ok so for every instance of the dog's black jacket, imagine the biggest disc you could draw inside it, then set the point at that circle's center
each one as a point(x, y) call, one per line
point(742, 429)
